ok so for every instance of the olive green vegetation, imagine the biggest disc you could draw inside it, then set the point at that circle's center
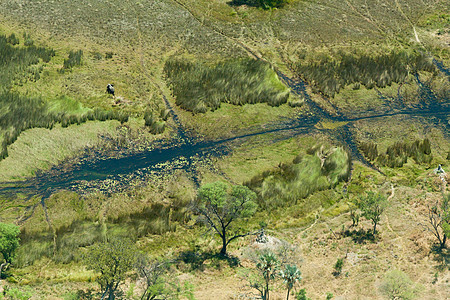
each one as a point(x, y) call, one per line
point(19, 64)
point(321, 168)
point(439, 21)
point(330, 72)
point(199, 87)
point(21, 112)
point(397, 154)
point(82, 223)
point(76, 224)
point(397, 285)
point(112, 259)
point(219, 209)
point(372, 206)
point(9, 242)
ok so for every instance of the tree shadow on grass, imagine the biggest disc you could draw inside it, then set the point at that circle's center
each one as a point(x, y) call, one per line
point(197, 260)
point(361, 236)
point(441, 256)
point(264, 4)
point(252, 3)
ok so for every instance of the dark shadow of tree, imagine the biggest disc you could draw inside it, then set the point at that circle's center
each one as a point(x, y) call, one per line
point(197, 260)
point(441, 256)
point(265, 4)
point(360, 236)
point(252, 3)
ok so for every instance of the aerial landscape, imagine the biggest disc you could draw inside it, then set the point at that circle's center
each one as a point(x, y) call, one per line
point(224, 149)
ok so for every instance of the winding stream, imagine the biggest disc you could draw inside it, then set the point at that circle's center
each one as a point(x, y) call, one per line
point(185, 152)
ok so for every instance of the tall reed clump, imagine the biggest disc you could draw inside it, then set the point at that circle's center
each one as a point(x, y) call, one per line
point(397, 154)
point(199, 87)
point(73, 60)
point(19, 112)
point(329, 73)
point(16, 62)
point(320, 168)
point(156, 122)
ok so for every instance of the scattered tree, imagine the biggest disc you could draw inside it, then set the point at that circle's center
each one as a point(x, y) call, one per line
point(219, 208)
point(112, 259)
point(438, 217)
point(290, 275)
point(397, 285)
point(158, 282)
point(372, 206)
point(9, 242)
point(267, 266)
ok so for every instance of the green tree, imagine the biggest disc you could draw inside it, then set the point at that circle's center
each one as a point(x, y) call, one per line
point(9, 242)
point(267, 267)
point(112, 259)
point(372, 206)
point(438, 216)
point(397, 285)
point(158, 284)
point(290, 275)
point(219, 208)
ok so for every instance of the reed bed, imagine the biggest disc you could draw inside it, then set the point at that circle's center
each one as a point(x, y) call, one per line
point(199, 87)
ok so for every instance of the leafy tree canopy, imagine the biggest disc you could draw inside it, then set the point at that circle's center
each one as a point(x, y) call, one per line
point(9, 240)
point(112, 259)
point(219, 207)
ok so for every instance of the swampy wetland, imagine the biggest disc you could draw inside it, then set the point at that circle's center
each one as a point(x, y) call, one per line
point(308, 108)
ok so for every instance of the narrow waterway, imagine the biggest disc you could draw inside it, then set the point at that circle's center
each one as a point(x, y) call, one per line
point(186, 152)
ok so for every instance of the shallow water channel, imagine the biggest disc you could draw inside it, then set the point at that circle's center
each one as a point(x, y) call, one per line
point(186, 152)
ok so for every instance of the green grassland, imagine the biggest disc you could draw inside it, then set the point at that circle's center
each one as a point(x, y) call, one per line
point(305, 183)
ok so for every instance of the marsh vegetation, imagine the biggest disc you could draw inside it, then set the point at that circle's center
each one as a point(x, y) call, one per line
point(199, 87)
point(331, 71)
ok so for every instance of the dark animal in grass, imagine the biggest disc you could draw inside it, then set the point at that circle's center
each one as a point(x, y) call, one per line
point(110, 89)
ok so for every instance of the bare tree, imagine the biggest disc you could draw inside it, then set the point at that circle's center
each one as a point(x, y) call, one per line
point(438, 219)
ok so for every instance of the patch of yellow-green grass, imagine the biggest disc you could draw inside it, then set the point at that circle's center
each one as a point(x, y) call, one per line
point(40, 148)
point(231, 120)
point(261, 153)
point(353, 101)
point(329, 124)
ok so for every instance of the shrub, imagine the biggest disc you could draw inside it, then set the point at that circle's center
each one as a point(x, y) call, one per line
point(397, 285)
point(12, 39)
point(267, 4)
point(338, 267)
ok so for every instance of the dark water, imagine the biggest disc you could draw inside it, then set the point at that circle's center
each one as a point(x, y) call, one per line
point(187, 152)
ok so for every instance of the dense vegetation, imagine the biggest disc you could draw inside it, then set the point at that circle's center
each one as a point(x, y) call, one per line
point(397, 154)
point(22, 112)
point(199, 87)
point(319, 169)
point(329, 72)
point(18, 64)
